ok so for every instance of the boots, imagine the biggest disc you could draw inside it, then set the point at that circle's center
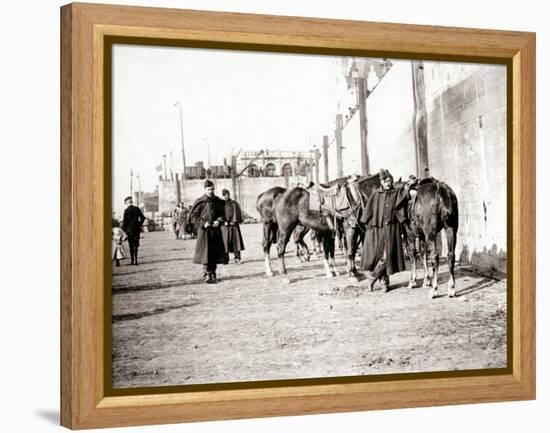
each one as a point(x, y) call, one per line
point(383, 283)
point(369, 281)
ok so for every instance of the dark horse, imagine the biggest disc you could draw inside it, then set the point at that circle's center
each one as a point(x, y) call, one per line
point(283, 212)
point(433, 209)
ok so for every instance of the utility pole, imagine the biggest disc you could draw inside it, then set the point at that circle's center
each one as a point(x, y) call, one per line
point(420, 119)
point(208, 146)
point(171, 167)
point(178, 190)
point(234, 175)
point(132, 183)
point(338, 135)
point(181, 138)
point(182, 150)
point(325, 156)
point(138, 190)
point(316, 158)
point(363, 127)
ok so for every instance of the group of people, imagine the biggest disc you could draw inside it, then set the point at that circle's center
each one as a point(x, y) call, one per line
point(181, 223)
point(218, 233)
point(216, 222)
point(132, 221)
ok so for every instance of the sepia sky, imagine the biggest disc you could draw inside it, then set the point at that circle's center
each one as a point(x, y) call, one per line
point(229, 99)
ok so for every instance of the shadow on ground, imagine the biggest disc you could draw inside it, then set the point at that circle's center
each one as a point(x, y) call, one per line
point(49, 415)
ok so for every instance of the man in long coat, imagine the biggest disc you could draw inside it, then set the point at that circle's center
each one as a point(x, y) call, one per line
point(131, 224)
point(232, 237)
point(382, 248)
point(208, 216)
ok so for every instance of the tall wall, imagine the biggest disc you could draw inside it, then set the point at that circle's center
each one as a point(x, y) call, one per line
point(248, 191)
point(466, 115)
point(466, 107)
point(390, 133)
point(351, 142)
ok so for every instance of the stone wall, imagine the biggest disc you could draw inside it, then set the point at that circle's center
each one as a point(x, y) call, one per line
point(248, 190)
point(466, 114)
point(467, 148)
point(390, 110)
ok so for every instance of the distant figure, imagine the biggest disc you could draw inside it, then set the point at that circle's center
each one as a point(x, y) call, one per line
point(207, 215)
point(117, 251)
point(189, 228)
point(175, 221)
point(114, 220)
point(231, 231)
point(383, 213)
point(183, 217)
point(131, 224)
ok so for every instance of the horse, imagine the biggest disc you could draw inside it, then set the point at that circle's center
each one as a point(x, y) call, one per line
point(284, 211)
point(349, 229)
point(339, 229)
point(432, 209)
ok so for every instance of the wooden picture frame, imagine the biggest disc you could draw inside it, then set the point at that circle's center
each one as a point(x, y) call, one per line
point(85, 28)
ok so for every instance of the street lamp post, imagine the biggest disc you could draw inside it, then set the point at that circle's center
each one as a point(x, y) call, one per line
point(177, 104)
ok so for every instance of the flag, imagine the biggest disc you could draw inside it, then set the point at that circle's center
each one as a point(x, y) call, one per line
point(159, 167)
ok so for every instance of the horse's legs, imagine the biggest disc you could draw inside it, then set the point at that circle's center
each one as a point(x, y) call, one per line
point(410, 246)
point(315, 237)
point(331, 261)
point(352, 239)
point(328, 245)
point(284, 237)
point(342, 235)
point(433, 259)
point(424, 254)
point(451, 243)
point(412, 279)
point(269, 228)
point(302, 250)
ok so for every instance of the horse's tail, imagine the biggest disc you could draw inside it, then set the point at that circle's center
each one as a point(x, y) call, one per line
point(448, 201)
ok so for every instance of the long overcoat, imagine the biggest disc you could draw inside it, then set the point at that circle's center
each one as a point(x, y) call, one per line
point(383, 213)
point(209, 247)
point(232, 237)
point(131, 223)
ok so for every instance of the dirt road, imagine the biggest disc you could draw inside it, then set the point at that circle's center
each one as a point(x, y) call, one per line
point(169, 328)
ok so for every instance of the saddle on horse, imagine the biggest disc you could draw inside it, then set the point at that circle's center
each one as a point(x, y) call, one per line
point(331, 202)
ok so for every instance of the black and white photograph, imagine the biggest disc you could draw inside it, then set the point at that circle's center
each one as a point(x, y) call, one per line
point(280, 216)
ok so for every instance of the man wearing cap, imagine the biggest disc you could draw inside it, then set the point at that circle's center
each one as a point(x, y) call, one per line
point(232, 237)
point(208, 215)
point(131, 224)
point(382, 247)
